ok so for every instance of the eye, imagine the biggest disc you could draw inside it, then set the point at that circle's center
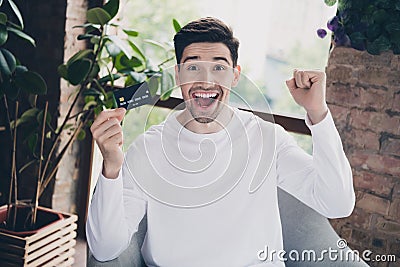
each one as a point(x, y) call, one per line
point(192, 68)
point(219, 67)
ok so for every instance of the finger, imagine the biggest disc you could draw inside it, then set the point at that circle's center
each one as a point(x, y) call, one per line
point(116, 139)
point(105, 115)
point(316, 75)
point(291, 84)
point(114, 129)
point(97, 132)
point(298, 79)
point(305, 79)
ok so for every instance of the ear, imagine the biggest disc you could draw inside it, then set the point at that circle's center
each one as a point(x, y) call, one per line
point(236, 75)
point(177, 80)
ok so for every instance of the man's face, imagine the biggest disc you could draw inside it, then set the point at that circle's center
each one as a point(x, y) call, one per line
point(206, 75)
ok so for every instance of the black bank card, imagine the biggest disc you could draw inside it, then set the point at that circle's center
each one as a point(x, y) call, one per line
point(133, 96)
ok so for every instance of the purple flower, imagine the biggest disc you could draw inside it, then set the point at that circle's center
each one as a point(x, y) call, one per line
point(321, 33)
point(333, 23)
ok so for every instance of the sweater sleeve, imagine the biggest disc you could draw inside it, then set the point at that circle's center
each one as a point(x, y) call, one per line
point(322, 181)
point(116, 209)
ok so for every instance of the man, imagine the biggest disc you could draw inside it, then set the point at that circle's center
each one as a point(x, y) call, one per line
point(166, 168)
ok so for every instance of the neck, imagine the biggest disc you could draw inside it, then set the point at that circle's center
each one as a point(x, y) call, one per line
point(223, 118)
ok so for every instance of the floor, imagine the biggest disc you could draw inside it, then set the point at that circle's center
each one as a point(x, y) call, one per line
point(80, 253)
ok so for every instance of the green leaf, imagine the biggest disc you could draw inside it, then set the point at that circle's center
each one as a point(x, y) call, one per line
point(89, 98)
point(63, 71)
point(81, 135)
point(136, 49)
point(92, 92)
point(393, 27)
point(167, 85)
point(80, 55)
point(78, 71)
point(7, 62)
point(330, 2)
point(97, 110)
point(3, 34)
point(382, 43)
point(373, 31)
point(66, 127)
point(3, 18)
point(87, 26)
point(113, 49)
point(130, 63)
point(112, 7)
point(131, 33)
point(32, 142)
point(28, 116)
point(84, 36)
point(39, 117)
point(20, 69)
point(32, 100)
point(110, 103)
point(90, 104)
point(357, 38)
point(177, 26)
point(122, 45)
point(379, 16)
point(153, 84)
point(138, 76)
point(129, 81)
point(155, 43)
point(22, 35)
point(17, 13)
point(95, 71)
point(98, 15)
point(31, 82)
point(109, 78)
point(95, 40)
point(100, 87)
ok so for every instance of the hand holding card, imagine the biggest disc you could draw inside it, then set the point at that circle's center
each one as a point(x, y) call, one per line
point(107, 131)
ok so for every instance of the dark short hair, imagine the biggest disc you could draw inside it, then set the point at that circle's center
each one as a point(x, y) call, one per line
point(206, 30)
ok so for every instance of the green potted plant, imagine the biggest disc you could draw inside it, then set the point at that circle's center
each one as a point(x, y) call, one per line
point(368, 25)
point(94, 72)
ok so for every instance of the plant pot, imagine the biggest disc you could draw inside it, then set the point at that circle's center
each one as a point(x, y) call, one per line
point(50, 245)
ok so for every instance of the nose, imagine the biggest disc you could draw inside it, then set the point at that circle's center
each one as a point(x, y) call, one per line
point(204, 76)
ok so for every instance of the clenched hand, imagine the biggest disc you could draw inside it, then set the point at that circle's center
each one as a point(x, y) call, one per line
point(107, 131)
point(308, 90)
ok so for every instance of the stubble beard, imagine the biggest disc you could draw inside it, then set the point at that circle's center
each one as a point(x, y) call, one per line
point(206, 117)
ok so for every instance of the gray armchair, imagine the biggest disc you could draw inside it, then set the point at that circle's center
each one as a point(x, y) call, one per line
point(302, 227)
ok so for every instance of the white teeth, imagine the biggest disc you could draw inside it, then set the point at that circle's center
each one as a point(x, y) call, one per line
point(205, 95)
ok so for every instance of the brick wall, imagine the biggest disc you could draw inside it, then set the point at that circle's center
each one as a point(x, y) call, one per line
point(73, 177)
point(363, 93)
point(67, 176)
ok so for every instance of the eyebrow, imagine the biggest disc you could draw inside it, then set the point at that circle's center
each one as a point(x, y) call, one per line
point(214, 59)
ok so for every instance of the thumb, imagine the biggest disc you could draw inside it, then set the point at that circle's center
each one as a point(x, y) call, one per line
point(291, 84)
point(120, 113)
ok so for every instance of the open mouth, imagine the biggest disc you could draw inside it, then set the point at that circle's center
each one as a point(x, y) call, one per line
point(205, 99)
